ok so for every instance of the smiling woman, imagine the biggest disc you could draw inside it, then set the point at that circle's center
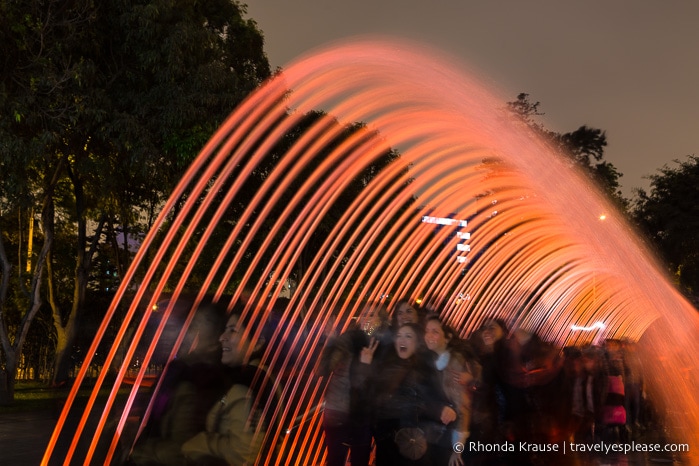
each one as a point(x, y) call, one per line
point(459, 373)
point(236, 425)
point(236, 343)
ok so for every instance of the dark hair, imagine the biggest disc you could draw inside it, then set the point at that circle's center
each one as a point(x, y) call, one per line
point(500, 323)
point(252, 322)
point(449, 332)
point(405, 300)
point(454, 341)
point(207, 322)
point(419, 331)
point(422, 358)
point(271, 330)
point(379, 308)
point(411, 304)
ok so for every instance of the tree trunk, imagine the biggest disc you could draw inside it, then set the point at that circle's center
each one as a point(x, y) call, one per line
point(62, 361)
point(12, 347)
point(7, 380)
point(65, 334)
point(86, 250)
point(7, 391)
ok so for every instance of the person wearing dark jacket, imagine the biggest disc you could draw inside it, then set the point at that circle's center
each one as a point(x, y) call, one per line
point(406, 395)
point(346, 415)
point(190, 385)
point(458, 373)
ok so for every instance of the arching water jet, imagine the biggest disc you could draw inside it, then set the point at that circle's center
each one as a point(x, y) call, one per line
point(338, 210)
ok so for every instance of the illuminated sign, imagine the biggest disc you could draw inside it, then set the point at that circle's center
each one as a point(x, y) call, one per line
point(461, 236)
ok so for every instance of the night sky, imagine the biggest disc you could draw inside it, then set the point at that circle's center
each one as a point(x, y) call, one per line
point(628, 67)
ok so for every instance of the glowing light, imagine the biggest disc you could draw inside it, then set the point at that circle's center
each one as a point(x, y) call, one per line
point(444, 221)
point(595, 326)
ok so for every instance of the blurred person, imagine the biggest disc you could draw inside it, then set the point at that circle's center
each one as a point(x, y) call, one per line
point(572, 389)
point(634, 386)
point(488, 412)
point(235, 426)
point(589, 392)
point(614, 406)
point(531, 372)
point(405, 312)
point(458, 374)
point(410, 408)
point(190, 385)
point(346, 417)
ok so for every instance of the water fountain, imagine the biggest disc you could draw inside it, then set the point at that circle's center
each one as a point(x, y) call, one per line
point(459, 206)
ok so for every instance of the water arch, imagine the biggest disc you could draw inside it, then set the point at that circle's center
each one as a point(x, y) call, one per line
point(413, 182)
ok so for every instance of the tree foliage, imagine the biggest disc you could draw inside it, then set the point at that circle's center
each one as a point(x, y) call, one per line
point(585, 147)
point(273, 218)
point(103, 105)
point(669, 215)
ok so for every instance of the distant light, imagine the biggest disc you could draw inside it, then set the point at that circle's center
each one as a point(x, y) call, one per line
point(596, 325)
point(444, 221)
point(603, 217)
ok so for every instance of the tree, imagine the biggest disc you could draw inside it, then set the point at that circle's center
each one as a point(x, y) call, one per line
point(585, 146)
point(35, 103)
point(669, 214)
point(175, 72)
point(272, 234)
point(103, 106)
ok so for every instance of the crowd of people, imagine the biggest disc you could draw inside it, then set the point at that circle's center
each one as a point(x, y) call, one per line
point(402, 388)
point(424, 396)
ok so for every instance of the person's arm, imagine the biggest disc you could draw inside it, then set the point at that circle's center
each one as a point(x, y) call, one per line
point(231, 435)
point(176, 426)
point(436, 402)
point(458, 379)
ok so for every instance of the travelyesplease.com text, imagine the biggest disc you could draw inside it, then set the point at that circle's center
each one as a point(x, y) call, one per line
point(573, 447)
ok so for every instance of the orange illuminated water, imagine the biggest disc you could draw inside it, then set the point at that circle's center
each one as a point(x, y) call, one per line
point(538, 254)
